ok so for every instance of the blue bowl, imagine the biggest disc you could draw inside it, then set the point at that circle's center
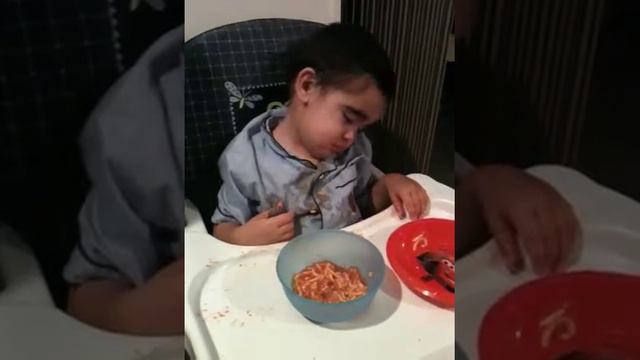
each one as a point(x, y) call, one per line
point(341, 248)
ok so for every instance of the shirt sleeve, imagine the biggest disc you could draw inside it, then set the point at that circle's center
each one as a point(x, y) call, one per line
point(132, 220)
point(368, 175)
point(233, 203)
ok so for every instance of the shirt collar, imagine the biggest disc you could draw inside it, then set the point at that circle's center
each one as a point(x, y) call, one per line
point(274, 117)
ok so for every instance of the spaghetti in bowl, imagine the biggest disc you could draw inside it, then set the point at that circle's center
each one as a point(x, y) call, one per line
point(330, 275)
point(327, 282)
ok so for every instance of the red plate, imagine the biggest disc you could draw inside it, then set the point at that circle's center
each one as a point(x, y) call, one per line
point(404, 247)
point(595, 313)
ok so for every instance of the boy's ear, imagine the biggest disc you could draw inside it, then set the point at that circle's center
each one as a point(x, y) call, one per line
point(304, 84)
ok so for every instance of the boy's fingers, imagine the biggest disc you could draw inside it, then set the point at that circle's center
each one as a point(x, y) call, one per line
point(550, 231)
point(427, 202)
point(563, 238)
point(569, 236)
point(507, 244)
point(510, 251)
point(541, 250)
point(552, 249)
point(576, 246)
point(551, 224)
point(417, 205)
point(283, 219)
point(424, 201)
point(407, 200)
point(533, 243)
point(397, 205)
point(286, 228)
point(277, 209)
point(263, 215)
point(288, 235)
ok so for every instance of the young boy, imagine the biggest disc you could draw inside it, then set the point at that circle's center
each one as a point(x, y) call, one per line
point(308, 166)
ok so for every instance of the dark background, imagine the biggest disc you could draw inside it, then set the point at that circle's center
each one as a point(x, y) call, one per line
point(57, 60)
point(496, 118)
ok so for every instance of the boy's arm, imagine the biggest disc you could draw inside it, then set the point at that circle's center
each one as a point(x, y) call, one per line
point(225, 231)
point(231, 213)
point(261, 229)
point(234, 220)
point(371, 193)
point(407, 196)
point(380, 195)
point(154, 308)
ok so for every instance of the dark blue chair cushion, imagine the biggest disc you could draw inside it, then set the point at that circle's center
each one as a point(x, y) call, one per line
point(233, 73)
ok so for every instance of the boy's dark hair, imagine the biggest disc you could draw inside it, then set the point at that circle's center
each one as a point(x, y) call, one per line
point(338, 53)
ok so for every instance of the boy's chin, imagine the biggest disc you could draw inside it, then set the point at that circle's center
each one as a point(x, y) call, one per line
point(337, 150)
point(328, 153)
point(325, 154)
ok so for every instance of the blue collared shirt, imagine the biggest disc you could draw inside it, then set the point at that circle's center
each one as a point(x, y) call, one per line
point(257, 173)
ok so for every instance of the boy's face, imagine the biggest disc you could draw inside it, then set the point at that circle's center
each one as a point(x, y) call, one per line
point(330, 117)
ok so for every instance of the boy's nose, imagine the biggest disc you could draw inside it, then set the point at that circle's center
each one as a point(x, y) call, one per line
point(350, 135)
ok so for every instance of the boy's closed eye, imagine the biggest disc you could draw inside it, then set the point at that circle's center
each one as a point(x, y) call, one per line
point(347, 119)
point(353, 116)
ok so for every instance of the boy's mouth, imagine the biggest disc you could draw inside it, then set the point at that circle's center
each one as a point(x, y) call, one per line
point(339, 148)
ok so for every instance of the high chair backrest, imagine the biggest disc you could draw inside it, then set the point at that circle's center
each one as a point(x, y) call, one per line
point(232, 74)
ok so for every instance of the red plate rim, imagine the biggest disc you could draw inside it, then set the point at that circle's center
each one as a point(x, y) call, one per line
point(431, 291)
point(508, 330)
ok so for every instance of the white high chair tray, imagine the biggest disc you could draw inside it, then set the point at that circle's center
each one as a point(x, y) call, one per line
point(238, 309)
point(37, 332)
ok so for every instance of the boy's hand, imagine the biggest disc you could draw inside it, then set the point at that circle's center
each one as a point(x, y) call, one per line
point(263, 229)
point(406, 193)
point(522, 211)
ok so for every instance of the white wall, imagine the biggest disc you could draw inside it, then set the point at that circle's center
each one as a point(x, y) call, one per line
point(202, 15)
